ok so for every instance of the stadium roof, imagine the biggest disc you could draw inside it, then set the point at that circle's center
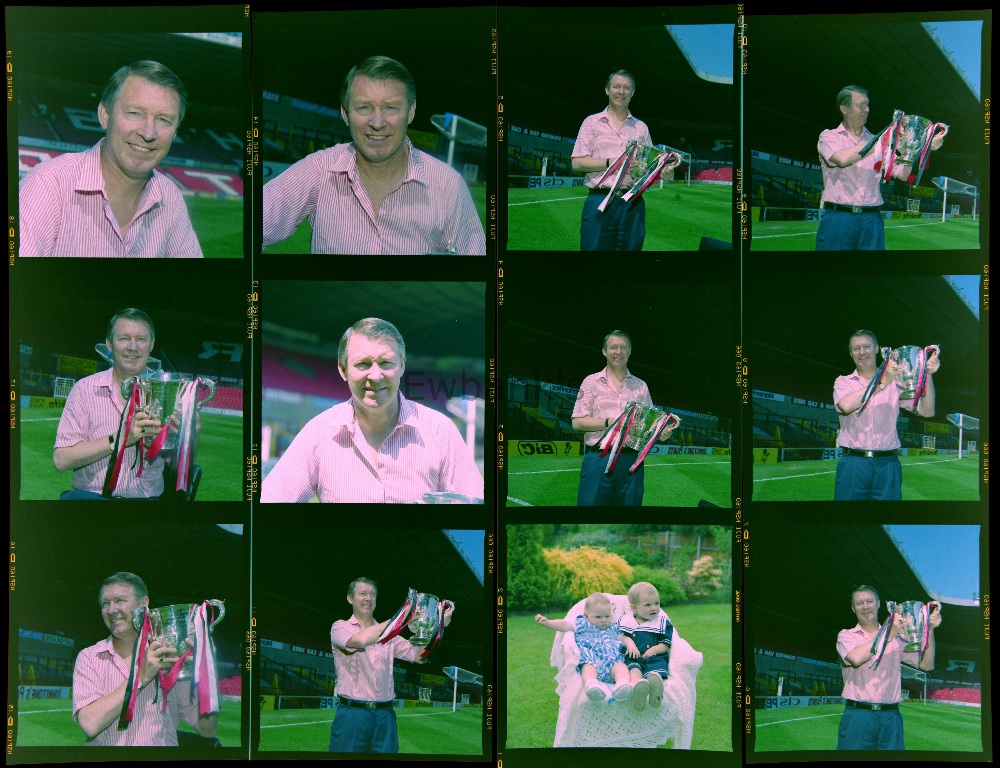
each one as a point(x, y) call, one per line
point(555, 64)
point(306, 567)
point(800, 581)
point(793, 82)
point(799, 337)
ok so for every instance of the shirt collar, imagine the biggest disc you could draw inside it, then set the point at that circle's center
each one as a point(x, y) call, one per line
point(604, 374)
point(91, 178)
point(865, 133)
point(346, 162)
point(606, 116)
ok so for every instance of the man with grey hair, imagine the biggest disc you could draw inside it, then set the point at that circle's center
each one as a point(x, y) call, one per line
point(377, 194)
point(868, 468)
point(378, 447)
point(601, 399)
point(366, 718)
point(852, 199)
point(102, 672)
point(872, 693)
point(602, 138)
point(110, 201)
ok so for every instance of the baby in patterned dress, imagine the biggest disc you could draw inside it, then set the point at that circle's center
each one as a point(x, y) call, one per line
point(599, 641)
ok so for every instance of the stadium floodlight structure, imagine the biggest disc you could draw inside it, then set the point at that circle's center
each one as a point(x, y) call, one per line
point(458, 129)
point(459, 675)
point(963, 422)
point(956, 187)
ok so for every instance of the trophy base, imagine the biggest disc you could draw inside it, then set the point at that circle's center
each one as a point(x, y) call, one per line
point(417, 640)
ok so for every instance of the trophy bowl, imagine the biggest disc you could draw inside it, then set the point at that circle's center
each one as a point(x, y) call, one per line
point(174, 626)
point(912, 619)
point(912, 361)
point(645, 425)
point(159, 393)
point(912, 137)
point(424, 624)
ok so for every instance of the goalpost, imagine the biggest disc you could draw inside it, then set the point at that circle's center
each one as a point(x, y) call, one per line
point(963, 422)
point(459, 675)
point(956, 187)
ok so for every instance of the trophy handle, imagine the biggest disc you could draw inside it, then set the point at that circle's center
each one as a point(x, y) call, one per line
point(137, 613)
point(676, 422)
point(210, 385)
point(218, 604)
point(127, 386)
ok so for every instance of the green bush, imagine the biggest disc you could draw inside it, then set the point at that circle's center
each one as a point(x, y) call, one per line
point(529, 585)
point(577, 573)
point(670, 589)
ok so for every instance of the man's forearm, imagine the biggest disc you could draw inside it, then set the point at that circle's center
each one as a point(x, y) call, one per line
point(927, 660)
point(82, 454)
point(368, 635)
point(99, 715)
point(207, 725)
point(927, 405)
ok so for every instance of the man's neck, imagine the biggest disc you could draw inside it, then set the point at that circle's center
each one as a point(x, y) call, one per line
point(621, 115)
point(119, 187)
point(365, 621)
point(376, 424)
point(618, 374)
point(123, 646)
point(856, 131)
point(389, 171)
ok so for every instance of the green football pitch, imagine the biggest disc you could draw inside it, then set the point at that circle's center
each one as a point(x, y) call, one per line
point(301, 241)
point(933, 726)
point(677, 217)
point(220, 454)
point(925, 478)
point(532, 706)
point(900, 235)
point(670, 481)
point(422, 731)
point(49, 723)
point(218, 222)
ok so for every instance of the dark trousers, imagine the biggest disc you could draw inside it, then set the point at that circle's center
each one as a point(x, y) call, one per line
point(364, 730)
point(864, 729)
point(619, 488)
point(861, 479)
point(841, 231)
point(622, 226)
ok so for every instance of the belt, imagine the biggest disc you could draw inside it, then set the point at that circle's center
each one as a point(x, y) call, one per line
point(605, 190)
point(870, 454)
point(871, 707)
point(852, 208)
point(365, 704)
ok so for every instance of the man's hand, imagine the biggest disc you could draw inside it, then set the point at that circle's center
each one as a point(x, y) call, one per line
point(935, 618)
point(938, 139)
point(143, 426)
point(934, 360)
point(665, 434)
point(159, 656)
point(448, 612)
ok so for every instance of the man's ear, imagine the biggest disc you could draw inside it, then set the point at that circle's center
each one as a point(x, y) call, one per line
point(102, 115)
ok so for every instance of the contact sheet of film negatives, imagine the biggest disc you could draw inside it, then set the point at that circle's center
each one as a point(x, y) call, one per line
point(461, 284)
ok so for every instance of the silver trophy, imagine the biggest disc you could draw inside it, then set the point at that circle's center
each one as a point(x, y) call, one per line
point(165, 396)
point(647, 423)
point(913, 618)
point(914, 133)
point(174, 626)
point(425, 622)
point(912, 362)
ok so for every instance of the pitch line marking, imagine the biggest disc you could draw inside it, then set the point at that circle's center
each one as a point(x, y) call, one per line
point(800, 234)
point(833, 471)
point(519, 501)
point(797, 719)
point(324, 722)
point(553, 200)
point(44, 711)
point(648, 466)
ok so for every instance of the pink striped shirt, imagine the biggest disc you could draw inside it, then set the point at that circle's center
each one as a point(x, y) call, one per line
point(99, 671)
point(431, 211)
point(874, 686)
point(65, 211)
point(599, 139)
point(875, 428)
point(331, 458)
point(366, 675)
point(94, 410)
point(856, 184)
point(598, 400)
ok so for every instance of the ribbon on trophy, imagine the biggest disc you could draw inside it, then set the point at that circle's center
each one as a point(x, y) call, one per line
point(121, 445)
point(206, 677)
point(187, 405)
point(881, 641)
point(637, 168)
point(409, 611)
point(913, 362)
point(915, 629)
point(134, 681)
point(638, 427)
point(910, 137)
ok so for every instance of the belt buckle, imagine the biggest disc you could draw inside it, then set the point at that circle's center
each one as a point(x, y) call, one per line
point(856, 209)
point(370, 704)
point(876, 707)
